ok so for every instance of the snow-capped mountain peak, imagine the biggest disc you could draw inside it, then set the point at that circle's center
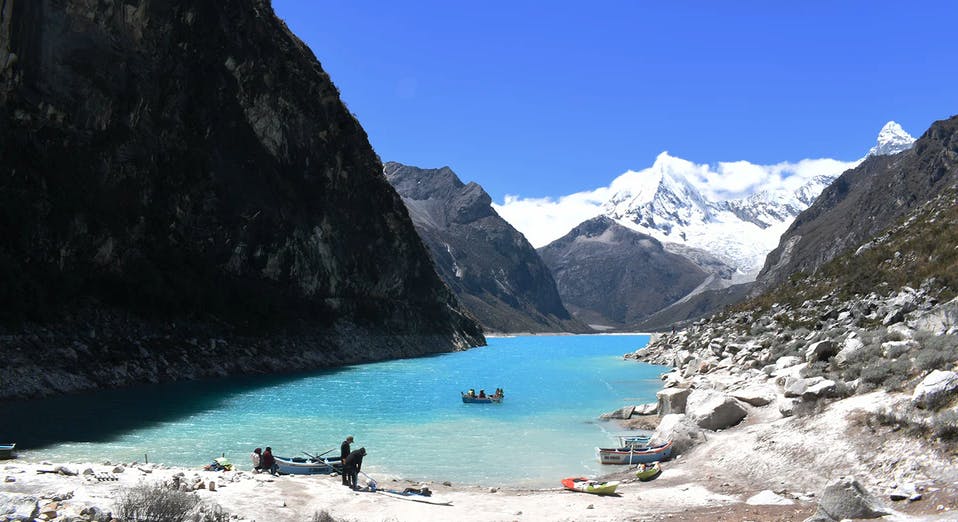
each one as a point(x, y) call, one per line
point(891, 140)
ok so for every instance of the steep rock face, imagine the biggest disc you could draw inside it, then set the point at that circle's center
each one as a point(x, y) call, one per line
point(494, 271)
point(174, 171)
point(611, 276)
point(864, 201)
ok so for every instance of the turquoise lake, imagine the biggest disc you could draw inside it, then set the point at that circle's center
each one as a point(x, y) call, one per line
point(406, 413)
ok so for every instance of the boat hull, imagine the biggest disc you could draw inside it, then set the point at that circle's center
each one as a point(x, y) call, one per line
point(635, 455)
point(6, 450)
point(481, 400)
point(586, 485)
point(297, 466)
point(648, 471)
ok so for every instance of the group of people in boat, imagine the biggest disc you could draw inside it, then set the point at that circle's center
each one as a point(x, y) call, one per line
point(482, 394)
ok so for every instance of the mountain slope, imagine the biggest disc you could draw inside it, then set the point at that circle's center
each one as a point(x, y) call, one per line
point(864, 201)
point(494, 271)
point(176, 174)
point(611, 276)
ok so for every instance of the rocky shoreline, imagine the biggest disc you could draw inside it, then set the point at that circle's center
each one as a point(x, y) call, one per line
point(858, 394)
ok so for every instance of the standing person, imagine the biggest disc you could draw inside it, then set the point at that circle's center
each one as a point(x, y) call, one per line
point(267, 462)
point(257, 458)
point(353, 464)
point(343, 453)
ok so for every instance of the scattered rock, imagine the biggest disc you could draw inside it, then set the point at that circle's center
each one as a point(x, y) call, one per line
point(768, 498)
point(846, 498)
point(822, 389)
point(935, 388)
point(714, 410)
point(672, 400)
point(18, 507)
point(787, 407)
point(821, 351)
point(119, 469)
point(755, 395)
point(622, 413)
point(677, 428)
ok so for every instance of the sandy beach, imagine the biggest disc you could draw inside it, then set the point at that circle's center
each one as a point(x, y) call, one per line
point(262, 497)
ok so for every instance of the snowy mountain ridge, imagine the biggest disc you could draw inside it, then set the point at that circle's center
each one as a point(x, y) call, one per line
point(666, 201)
point(892, 139)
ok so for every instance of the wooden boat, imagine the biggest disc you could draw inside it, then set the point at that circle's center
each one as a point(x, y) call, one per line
point(475, 399)
point(635, 455)
point(6, 450)
point(648, 471)
point(307, 466)
point(634, 439)
point(587, 485)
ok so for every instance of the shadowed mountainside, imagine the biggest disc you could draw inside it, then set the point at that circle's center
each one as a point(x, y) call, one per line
point(182, 193)
point(494, 271)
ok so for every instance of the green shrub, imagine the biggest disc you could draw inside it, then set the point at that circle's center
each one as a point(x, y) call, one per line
point(155, 503)
point(323, 516)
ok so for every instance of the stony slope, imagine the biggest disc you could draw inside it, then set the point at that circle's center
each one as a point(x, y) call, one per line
point(851, 370)
point(611, 276)
point(184, 194)
point(493, 270)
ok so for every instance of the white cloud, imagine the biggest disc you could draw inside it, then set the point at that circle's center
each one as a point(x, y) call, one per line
point(543, 220)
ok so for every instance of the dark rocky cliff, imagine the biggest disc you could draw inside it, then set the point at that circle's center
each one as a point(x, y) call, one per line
point(182, 193)
point(865, 201)
point(494, 271)
point(612, 276)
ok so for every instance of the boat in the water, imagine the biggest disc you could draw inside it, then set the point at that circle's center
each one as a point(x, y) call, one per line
point(470, 397)
point(635, 454)
point(587, 485)
point(6, 450)
point(647, 472)
point(308, 466)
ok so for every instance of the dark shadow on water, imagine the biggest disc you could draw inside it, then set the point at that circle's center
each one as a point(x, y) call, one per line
point(103, 415)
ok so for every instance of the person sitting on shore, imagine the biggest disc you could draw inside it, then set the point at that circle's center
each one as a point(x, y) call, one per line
point(267, 462)
point(256, 457)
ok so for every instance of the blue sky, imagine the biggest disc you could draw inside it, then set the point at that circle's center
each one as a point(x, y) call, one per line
point(543, 99)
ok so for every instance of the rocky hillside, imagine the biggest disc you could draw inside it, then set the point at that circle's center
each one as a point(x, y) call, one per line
point(600, 266)
point(852, 370)
point(494, 271)
point(184, 194)
point(864, 201)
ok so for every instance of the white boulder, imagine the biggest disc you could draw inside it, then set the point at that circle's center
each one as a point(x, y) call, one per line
point(672, 400)
point(846, 498)
point(934, 388)
point(768, 498)
point(713, 410)
point(677, 428)
point(759, 395)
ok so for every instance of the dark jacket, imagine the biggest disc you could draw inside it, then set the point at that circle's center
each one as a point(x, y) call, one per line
point(267, 460)
point(355, 459)
point(344, 450)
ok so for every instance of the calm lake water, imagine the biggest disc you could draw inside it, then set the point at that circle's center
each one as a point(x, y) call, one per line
point(407, 414)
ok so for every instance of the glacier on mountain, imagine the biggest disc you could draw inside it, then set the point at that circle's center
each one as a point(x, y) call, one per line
point(735, 211)
point(892, 139)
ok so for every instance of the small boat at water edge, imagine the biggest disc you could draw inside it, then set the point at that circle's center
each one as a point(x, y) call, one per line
point(635, 455)
point(587, 485)
point(641, 439)
point(646, 472)
point(6, 450)
point(307, 466)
